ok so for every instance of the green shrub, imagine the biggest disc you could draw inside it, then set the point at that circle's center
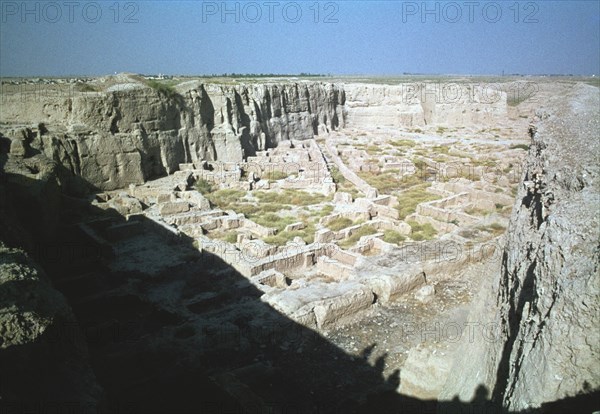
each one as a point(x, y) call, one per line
point(421, 231)
point(393, 237)
point(520, 146)
point(203, 186)
point(337, 176)
point(496, 227)
point(420, 164)
point(162, 88)
point(86, 87)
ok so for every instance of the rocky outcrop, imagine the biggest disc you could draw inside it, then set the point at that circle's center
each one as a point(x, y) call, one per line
point(131, 134)
point(544, 304)
point(43, 353)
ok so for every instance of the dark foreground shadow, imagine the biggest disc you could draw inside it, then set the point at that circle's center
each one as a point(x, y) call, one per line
point(189, 334)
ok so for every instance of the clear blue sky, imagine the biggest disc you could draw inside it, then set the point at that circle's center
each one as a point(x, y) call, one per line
point(345, 37)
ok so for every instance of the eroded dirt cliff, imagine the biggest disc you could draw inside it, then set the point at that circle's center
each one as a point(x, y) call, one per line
point(544, 303)
point(130, 132)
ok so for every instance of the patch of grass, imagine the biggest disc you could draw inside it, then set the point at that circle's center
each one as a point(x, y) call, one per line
point(409, 199)
point(441, 130)
point(420, 164)
point(166, 89)
point(337, 176)
point(228, 236)
point(421, 232)
point(225, 199)
point(86, 87)
point(278, 240)
point(274, 220)
point(514, 99)
point(307, 234)
point(473, 211)
point(291, 197)
point(204, 187)
point(343, 184)
point(441, 149)
point(495, 228)
point(592, 81)
point(373, 150)
point(247, 209)
point(277, 175)
point(339, 223)
point(476, 162)
point(520, 146)
point(390, 181)
point(252, 211)
point(326, 210)
point(363, 231)
point(407, 143)
point(393, 237)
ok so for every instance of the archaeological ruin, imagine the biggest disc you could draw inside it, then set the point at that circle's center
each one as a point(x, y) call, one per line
point(299, 246)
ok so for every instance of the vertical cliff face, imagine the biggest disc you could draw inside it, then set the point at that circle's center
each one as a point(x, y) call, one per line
point(424, 103)
point(131, 133)
point(545, 302)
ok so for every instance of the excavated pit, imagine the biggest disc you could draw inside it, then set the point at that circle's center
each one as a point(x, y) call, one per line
point(302, 247)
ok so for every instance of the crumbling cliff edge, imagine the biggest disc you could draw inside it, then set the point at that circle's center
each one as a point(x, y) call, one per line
point(544, 305)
